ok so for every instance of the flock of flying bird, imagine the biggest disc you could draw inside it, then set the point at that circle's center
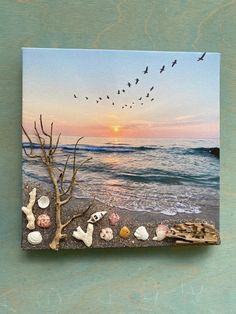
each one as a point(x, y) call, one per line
point(136, 81)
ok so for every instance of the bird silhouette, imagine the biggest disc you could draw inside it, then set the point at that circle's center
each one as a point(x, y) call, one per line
point(151, 88)
point(108, 97)
point(126, 105)
point(162, 69)
point(100, 98)
point(136, 81)
point(202, 57)
point(130, 107)
point(152, 99)
point(129, 84)
point(123, 107)
point(86, 98)
point(146, 70)
point(97, 101)
point(123, 90)
point(75, 96)
point(140, 98)
point(174, 63)
point(142, 103)
point(118, 92)
point(147, 95)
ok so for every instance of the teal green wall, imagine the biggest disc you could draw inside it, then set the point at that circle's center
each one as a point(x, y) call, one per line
point(163, 280)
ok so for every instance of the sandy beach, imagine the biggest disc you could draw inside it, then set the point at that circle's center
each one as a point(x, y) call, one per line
point(131, 219)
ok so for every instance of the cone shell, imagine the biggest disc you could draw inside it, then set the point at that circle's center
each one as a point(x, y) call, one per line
point(161, 232)
point(43, 221)
point(95, 217)
point(141, 233)
point(43, 202)
point(114, 218)
point(124, 232)
point(34, 237)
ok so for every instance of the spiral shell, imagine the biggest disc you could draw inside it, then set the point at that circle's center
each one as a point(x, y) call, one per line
point(44, 221)
point(34, 237)
point(141, 233)
point(43, 201)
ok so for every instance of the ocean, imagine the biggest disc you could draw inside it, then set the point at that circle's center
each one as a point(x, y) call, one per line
point(169, 176)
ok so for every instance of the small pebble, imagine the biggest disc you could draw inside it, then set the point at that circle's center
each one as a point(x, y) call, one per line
point(114, 218)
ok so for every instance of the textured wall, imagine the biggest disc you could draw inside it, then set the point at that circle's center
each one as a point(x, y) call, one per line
point(171, 280)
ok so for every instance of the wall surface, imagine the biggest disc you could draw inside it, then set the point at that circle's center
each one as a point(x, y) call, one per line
point(167, 280)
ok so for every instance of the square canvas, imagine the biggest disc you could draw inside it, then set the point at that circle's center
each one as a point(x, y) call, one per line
point(120, 148)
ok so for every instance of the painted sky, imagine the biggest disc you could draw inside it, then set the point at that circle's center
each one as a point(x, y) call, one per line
point(186, 97)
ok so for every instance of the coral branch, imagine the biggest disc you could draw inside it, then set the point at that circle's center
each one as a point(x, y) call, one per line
point(28, 210)
point(86, 237)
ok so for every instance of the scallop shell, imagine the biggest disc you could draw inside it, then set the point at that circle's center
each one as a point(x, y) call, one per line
point(44, 221)
point(34, 237)
point(161, 232)
point(106, 234)
point(43, 201)
point(141, 233)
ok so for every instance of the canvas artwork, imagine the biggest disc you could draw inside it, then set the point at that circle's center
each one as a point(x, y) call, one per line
point(120, 148)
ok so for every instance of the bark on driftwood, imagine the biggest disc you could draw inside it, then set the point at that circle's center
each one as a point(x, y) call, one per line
point(62, 194)
point(194, 233)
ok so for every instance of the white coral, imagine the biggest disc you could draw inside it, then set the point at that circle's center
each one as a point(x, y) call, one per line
point(28, 210)
point(86, 237)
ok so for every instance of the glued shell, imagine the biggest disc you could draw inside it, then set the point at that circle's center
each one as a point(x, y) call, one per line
point(106, 234)
point(161, 232)
point(43, 202)
point(114, 218)
point(34, 237)
point(124, 232)
point(141, 233)
point(44, 221)
point(96, 216)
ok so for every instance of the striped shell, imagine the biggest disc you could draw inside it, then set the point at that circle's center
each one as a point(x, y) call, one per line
point(43, 221)
point(34, 237)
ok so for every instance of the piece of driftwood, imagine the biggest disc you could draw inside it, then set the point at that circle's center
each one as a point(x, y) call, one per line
point(194, 233)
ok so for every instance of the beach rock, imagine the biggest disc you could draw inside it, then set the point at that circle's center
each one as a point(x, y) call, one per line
point(215, 151)
point(114, 218)
point(95, 217)
point(43, 221)
point(141, 233)
point(106, 234)
point(161, 232)
point(34, 237)
point(124, 232)
point(43, 202)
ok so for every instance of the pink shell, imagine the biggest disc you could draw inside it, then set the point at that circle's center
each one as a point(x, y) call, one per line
point(44, 221)
point(114, 218)
point(162, 227)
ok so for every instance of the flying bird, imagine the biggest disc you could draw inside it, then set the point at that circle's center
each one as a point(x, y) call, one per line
point(108, 97)
point(126, 105)
point(118, 92)
point(140, 98)
point(113, 104)
point(146, 70)
point(131, 107)
point(123, 107)
point(123, 90)
point(97, 101)
point(147, 95)
point(162, 69)
point(151, 88)
point(174, 63)
point(142, 103)
point(75, 96)
point(129, 84)
point(202, 57)
point(86, 98)
point(136, 81)
point(152, 99)
point(100, 98)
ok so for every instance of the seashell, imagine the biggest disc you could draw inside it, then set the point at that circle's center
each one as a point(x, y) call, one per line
point(106, 234)
point(141, 233)
point(114, 218)
point(43, 202)
point(124, 232)
point(161, 232)
point(95, 217)
point(43, 221)
point(34, 237)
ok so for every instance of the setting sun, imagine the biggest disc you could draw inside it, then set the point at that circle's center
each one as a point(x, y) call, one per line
point(116, 128)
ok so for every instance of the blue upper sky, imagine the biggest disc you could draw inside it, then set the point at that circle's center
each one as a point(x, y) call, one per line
point(186, 96)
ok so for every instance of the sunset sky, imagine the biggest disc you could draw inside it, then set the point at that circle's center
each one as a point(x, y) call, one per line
point(186, 97)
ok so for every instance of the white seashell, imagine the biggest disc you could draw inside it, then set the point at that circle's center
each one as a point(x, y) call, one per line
point(161, 232)
point(34, 237)
point(43, 202)
point(106, 234)
point(141, 233)
point(95, 217)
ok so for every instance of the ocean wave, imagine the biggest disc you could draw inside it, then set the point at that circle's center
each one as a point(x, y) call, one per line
point(107, 149)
